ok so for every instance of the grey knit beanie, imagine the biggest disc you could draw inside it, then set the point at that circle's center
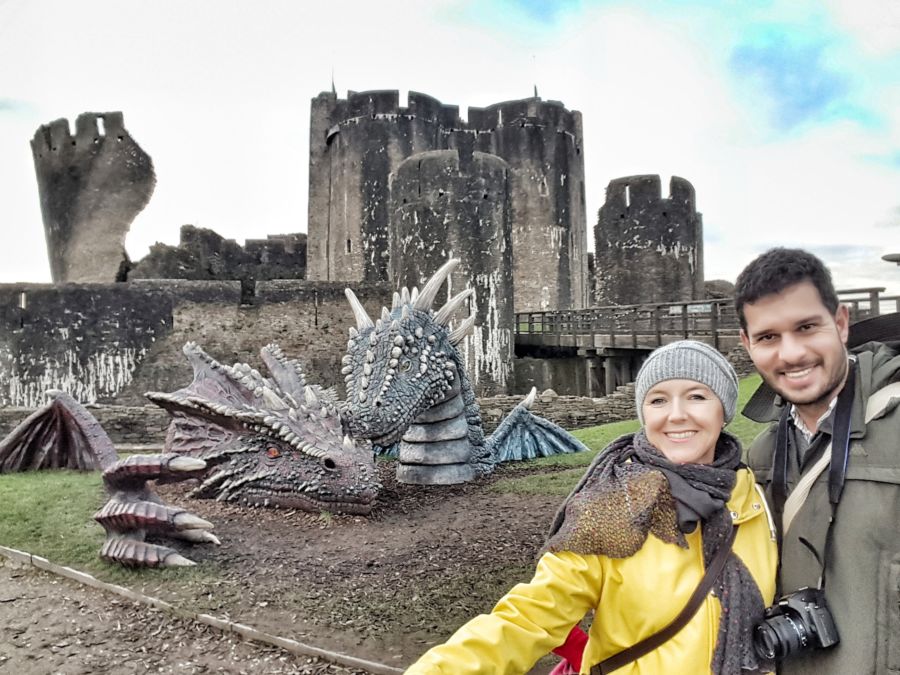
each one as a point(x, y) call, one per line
point(688, 360)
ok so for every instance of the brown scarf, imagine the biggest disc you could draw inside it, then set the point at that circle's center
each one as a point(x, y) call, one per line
point(631, 490)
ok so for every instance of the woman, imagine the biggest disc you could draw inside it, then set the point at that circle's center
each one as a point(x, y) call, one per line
point(633, 541)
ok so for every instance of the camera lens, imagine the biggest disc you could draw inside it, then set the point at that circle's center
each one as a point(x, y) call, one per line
point(779, 637)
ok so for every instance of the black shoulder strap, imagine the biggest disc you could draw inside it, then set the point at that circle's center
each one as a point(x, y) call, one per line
point(647, 645)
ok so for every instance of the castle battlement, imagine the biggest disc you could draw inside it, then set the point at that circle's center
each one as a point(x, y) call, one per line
point(635, 193)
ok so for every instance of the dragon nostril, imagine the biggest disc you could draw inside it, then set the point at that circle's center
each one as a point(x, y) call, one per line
point(328, 463)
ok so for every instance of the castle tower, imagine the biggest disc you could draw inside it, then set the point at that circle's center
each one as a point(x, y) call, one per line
point(357, 143)
point(648, 248)
point(449, 203)
point(91, 185)
point(542, 142)
point(354, 147)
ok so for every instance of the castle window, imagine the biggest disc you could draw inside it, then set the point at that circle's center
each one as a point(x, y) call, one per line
point(349, 246)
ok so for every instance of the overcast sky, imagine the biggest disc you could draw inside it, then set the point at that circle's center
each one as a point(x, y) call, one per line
point(785, 115)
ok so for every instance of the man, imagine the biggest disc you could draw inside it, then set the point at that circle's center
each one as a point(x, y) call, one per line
point(795, 331)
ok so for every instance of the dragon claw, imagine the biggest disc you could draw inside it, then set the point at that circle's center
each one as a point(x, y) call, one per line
point(129, 552)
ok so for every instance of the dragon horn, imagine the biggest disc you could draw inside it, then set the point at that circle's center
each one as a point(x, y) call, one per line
point(456, 335)
point(446, 312)
point(362, 319)
point(528, 401)
point(430, 291)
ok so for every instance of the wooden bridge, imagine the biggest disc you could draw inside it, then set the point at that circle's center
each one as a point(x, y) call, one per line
point(614, 338)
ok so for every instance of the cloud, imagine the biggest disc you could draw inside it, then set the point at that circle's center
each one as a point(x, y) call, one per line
point(891, 219)
point(874, 23)
point(797, 77)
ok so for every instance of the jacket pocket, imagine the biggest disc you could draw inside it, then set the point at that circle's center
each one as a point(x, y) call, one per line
point(890, 613)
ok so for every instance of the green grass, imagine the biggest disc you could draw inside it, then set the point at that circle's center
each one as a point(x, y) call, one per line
point(596, 438)
point(51, 514)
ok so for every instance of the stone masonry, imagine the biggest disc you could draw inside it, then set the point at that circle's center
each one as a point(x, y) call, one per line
point(91, 186)
point(648, 248)
point(358, 143)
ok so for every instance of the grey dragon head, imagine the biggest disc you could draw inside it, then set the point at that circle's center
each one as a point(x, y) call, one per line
point(404, 362)
point(270, 442)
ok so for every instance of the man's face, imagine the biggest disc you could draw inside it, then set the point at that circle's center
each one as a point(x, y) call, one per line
point(797, 345)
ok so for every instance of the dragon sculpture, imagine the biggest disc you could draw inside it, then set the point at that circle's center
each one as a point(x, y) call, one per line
point(64, 435)
point(407, 390)
point(274, 442)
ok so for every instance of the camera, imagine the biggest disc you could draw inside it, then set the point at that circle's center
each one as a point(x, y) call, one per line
point(797, 623)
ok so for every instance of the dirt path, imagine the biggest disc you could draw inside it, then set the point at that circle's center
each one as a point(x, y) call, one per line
point(382, 588)
point(53, 625)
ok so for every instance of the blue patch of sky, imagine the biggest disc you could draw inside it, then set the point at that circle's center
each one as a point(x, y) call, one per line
point(543, 10)
point(889, 159)
point(12, 105)
point(793, 70)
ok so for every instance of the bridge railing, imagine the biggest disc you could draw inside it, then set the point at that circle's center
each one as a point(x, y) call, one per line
point(646, 326)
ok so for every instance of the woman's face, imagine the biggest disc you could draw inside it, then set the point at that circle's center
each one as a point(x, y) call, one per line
point(683, 419)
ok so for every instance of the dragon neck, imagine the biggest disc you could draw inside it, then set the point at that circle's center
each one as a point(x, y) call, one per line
point(455, 417)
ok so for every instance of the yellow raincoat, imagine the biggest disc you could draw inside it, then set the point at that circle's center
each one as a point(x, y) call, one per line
point(632, 598)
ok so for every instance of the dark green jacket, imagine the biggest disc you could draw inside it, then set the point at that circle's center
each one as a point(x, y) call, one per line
point(863, 579)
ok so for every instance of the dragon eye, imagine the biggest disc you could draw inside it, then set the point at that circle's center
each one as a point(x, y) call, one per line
point(405, 365)
point(272, 452)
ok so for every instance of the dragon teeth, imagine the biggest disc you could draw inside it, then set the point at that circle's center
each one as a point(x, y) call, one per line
point(347, 360)
point(346, 370)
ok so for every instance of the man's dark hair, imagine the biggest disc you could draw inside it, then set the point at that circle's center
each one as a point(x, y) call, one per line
point(777, 269)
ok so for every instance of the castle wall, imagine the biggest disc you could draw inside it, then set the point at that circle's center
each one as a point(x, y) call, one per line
point(357, 144)
point(455, 203)
point(648, 248)
point(110, 343)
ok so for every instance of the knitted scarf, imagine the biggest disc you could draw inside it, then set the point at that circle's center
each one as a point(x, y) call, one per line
point(631, 490)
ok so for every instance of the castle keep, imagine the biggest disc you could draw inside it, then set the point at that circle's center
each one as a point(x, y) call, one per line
point(357, 145)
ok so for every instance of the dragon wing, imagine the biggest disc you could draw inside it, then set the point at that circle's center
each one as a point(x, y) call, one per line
point(60, 435)
point(524, 435)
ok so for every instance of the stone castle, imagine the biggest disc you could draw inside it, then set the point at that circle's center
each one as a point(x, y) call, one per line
point(393, 192)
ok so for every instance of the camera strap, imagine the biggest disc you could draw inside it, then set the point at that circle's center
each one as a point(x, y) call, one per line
point(838, 461)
